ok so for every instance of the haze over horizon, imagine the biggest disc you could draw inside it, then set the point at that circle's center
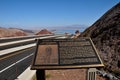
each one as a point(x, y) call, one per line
point(29, 14)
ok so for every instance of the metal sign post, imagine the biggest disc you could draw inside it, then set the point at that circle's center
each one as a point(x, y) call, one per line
point(91, 74)
point(40, 74)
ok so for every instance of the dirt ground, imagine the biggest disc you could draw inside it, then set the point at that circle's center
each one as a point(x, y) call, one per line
point(70, 74)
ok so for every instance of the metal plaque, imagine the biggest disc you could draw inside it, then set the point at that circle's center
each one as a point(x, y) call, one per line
point(65, 53)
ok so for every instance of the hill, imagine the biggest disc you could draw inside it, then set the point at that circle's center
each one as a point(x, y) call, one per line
point(11, 32)
point(28, 32)
point(105, 34)
point(44, 31)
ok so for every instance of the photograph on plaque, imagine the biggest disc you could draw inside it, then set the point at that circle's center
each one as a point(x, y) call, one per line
point(47, 55)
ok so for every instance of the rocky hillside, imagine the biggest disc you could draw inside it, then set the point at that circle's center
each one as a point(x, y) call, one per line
point(44, 31)
point(11, 32)
point(105, 34)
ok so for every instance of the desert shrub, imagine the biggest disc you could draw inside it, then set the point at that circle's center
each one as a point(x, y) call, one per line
point(116, 72)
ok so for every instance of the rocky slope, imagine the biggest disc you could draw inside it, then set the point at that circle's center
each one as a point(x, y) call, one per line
point(105, 34)
point(11, 32)
point(44, 31)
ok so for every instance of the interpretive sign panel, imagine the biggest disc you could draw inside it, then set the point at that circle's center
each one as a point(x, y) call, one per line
point(65, 53)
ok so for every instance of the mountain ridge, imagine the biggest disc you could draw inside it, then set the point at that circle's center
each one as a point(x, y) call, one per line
point(11, 32)
point(105, 33)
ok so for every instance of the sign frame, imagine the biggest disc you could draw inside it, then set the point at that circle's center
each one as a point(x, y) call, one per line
point(58, 66)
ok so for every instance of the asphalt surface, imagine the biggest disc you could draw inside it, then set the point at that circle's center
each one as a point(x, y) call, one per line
point(12, 72)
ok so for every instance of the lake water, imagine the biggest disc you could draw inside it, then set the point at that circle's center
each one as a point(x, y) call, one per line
point(66, 31)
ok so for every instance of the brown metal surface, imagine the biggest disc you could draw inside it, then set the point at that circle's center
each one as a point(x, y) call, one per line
point(66, 53)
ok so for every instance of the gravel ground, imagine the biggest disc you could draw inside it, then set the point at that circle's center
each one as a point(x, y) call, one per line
point(70, 74)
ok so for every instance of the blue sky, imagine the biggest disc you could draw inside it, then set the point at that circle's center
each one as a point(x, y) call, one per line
point(50, 13)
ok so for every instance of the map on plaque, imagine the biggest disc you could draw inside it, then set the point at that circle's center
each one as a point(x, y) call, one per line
point(65, 53)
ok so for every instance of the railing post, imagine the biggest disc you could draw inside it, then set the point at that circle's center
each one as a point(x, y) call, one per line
point(91, 74)
point(40, 74)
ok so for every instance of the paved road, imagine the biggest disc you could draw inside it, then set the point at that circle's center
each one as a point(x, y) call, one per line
point(13, 66)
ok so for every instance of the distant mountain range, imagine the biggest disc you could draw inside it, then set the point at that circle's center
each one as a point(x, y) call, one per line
point(15, 32)
point(11, 32)
point(69, 27)
point(105, 33)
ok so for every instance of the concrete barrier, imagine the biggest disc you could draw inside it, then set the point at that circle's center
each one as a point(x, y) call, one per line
point(10, 50)
point(26, 75)
point(32, 39)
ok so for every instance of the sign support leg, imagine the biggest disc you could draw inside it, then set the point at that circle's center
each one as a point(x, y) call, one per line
point(40, 74)
point(91, 74)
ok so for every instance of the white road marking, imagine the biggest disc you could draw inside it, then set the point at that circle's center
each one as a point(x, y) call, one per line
point(15, 63)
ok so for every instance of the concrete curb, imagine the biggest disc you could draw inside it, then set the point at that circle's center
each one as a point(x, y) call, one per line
point(26, 75)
